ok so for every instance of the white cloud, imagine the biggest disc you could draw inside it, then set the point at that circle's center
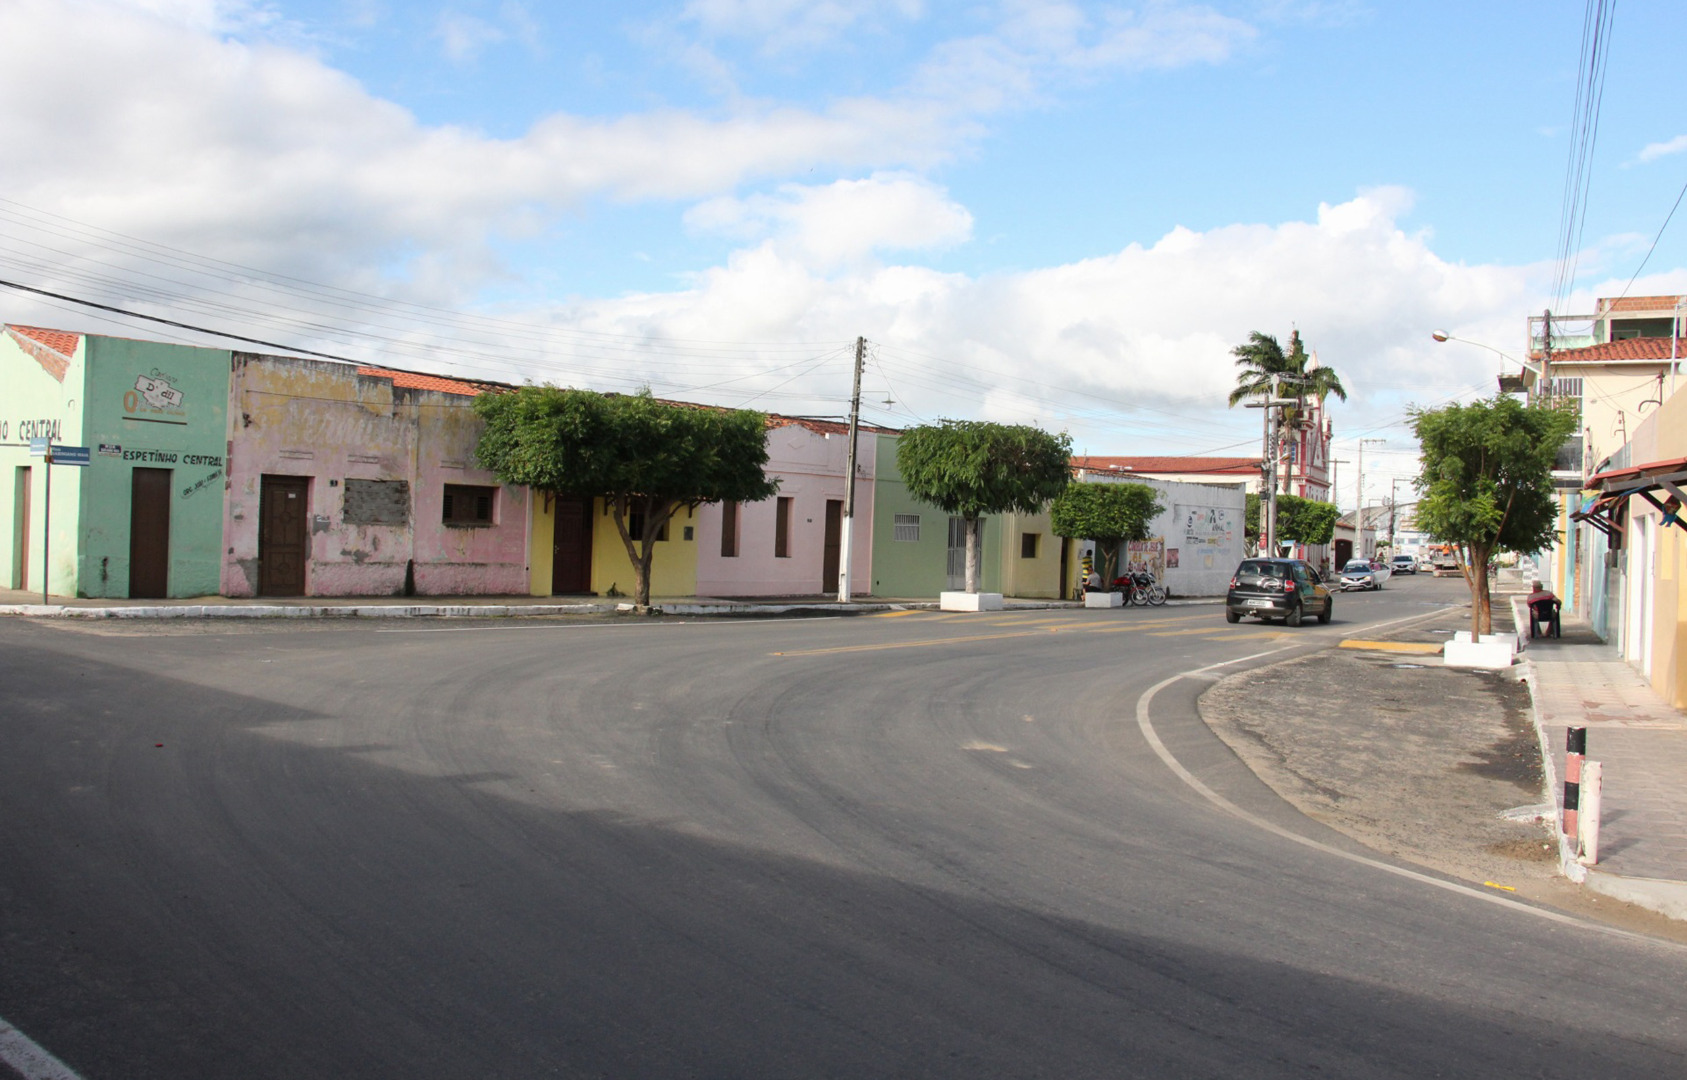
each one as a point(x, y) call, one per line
point(464, 37)
point(843, 221)
point(1149, 325)
point(779, 25)
point(1654, 151)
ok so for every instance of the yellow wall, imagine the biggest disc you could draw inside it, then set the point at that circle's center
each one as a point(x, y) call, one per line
point(673, 567)
point(1669, 596)
point(539, 544)
point(1038, 577)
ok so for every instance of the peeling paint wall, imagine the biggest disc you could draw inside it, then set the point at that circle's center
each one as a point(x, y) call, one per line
point(325, 422)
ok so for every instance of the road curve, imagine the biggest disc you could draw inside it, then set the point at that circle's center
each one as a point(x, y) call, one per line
point(913, 846)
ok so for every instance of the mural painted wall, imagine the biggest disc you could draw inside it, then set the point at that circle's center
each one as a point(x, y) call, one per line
point(381, 465)
point(140, 407)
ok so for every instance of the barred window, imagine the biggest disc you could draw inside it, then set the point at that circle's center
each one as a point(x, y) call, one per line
point(468, 504)
point(907, 527)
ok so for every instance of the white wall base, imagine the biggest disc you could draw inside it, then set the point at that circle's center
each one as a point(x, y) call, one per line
point(1492, 652)
point(965, 601)
point(1104, 599)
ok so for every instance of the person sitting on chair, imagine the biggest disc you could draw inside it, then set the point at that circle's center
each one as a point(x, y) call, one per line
point(1543, 610)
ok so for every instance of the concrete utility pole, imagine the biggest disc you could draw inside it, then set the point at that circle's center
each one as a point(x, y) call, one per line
point(845, 541)
point(1359, 502)
point(1268, 465)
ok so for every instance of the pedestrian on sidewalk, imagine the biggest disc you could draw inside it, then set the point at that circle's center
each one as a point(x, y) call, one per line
point(1543, 610)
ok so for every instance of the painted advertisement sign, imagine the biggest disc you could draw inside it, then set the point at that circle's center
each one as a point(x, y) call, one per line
point(1209, 532)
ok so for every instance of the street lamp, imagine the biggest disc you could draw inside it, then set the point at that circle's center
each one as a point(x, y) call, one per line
point(1509, 384)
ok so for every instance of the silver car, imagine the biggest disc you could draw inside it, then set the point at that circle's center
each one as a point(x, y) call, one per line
point(1361, 574)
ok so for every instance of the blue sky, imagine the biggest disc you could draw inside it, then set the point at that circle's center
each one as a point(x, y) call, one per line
point(1062, 213)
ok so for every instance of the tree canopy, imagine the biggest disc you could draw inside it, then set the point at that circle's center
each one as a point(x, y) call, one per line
point(1486, 482)
point(971, 468)
point(1108, 514)
point(646, 458)
point(1300, 521)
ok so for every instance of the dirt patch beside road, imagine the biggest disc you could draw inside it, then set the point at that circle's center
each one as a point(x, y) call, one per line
point(1411, 758)
point(1414, 760)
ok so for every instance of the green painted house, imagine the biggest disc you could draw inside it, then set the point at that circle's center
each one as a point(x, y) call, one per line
point(919, 551)
point(144, 516)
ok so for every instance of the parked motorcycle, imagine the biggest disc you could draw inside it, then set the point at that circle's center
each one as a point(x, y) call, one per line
point(1139, 587)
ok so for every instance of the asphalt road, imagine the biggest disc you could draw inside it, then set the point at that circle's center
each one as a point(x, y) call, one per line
point(921, 845)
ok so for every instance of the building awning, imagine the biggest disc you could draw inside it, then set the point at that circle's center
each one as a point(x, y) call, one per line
point(1614, 486)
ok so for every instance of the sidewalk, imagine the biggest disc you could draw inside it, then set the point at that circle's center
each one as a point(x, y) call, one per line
point(18, 603)
point(1578, 681)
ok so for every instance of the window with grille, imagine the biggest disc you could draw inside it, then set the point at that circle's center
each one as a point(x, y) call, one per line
point(907, 528)
point(468, 504)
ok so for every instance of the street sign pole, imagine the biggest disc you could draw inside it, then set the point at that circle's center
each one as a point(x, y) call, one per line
point(47, 525)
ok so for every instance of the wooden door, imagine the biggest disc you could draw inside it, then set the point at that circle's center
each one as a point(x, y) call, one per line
point(283, 536)
point(571, 550)
point(149, 533)
point(833, 546)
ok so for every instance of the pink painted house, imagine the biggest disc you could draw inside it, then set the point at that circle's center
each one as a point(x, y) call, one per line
point(789, 545)
point(361, 481)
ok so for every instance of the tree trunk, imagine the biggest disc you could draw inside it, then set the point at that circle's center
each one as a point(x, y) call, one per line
point(974, 536)
point(1109, 561)
point(1474, 563)
point(641, 554)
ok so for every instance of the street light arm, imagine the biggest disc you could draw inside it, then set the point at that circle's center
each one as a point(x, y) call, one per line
point(1444, 337)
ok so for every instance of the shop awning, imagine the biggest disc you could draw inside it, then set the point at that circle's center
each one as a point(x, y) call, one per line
point(1614, 486)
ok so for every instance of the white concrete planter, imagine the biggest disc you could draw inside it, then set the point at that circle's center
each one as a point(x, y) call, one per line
point(1491, 652)
point(1104, 599)
point(965, 601)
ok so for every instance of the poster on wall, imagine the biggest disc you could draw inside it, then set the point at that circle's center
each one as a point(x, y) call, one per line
point(1208, 534)
point(1148, 555)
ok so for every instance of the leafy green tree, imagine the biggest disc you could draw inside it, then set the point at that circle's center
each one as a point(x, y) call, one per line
point(970, 468)
point(1306, 521)
point(1108, 514)
point(1299, 521)
point(1485, 483)
point(645, 458)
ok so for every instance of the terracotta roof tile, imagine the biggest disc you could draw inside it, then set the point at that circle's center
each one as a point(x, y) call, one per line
point(410, 380)
point(1644, 348)
point(52, 349)
point(1638, 303)
point(1215, 466)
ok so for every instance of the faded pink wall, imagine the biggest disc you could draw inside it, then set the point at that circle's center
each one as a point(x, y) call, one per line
point(811, 469)
point(324, 421)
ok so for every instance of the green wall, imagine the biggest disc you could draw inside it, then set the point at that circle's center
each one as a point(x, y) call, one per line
point(918, 569)
point(181, 426)
point(38, 397)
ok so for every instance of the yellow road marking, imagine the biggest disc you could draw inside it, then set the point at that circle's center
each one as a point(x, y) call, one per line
point(962, 639)
point(896, 614)
point(1423, 647)
point(1179, 633)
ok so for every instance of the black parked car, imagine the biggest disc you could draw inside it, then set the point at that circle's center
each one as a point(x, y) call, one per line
point(1287, 589)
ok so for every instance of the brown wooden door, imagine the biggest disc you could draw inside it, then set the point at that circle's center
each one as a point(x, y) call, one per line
point(282, 535)
point(149, 533)
point(832, 546)
point(571, 550)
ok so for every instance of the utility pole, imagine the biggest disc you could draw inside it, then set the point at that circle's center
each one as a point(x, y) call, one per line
point(1393, 486)
point(1359, 503)
point(1268, 464)
point(845, 540)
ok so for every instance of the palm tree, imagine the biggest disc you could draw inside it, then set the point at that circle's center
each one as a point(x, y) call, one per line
point(1263, 360)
